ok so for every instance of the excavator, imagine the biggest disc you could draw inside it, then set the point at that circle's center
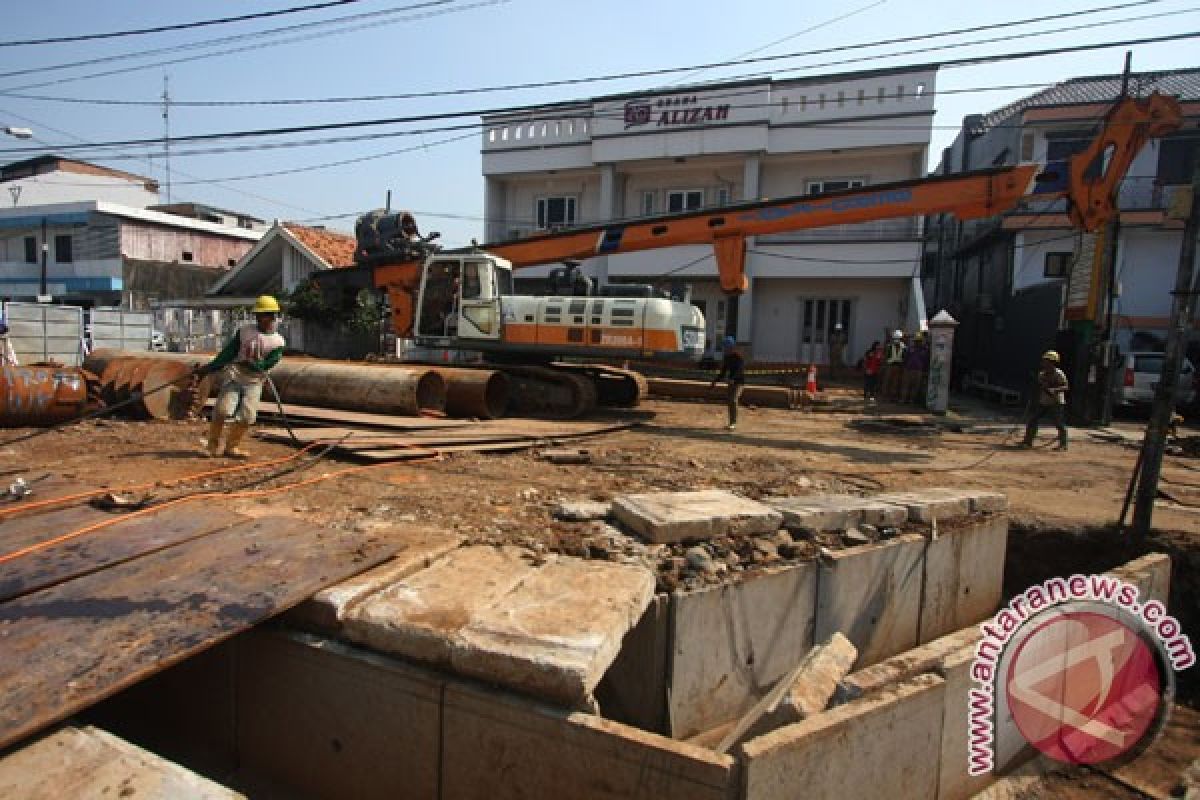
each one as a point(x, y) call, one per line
point(461, 303)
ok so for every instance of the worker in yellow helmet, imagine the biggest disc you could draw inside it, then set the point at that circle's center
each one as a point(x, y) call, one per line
point(246, 359)
point(1051, 400)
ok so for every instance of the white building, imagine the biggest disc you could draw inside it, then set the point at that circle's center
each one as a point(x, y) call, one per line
point(634, 155)
point(50, 179)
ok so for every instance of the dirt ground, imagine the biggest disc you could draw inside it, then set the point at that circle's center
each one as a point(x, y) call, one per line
point(1063, 505)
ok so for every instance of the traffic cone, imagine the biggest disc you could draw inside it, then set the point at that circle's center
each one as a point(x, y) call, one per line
point(810, 386)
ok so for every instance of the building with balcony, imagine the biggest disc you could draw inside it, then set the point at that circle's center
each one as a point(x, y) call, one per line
point(629, 156)
point(1028, 280)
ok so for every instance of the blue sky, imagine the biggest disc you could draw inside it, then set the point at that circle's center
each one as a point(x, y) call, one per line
point(477, 43)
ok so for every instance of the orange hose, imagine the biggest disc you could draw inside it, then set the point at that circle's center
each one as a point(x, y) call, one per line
point(33, 548)
point(169, 482)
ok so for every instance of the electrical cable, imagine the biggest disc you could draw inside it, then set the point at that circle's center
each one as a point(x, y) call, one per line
point(88, 37)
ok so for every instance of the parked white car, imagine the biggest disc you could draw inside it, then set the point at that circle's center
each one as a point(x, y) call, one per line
point(1139, 378)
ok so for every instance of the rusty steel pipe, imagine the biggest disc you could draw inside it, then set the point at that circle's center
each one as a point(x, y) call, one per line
point(35, 396)
point(401, 390)
point(482, 393)
point(174, 402)
point(378, 390)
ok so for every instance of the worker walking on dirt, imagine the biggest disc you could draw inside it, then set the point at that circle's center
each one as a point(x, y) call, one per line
point(893, 365)
point(1051, 399)
point(246, 359)
point(872, 362)
point(916, 369)
point(733, 369)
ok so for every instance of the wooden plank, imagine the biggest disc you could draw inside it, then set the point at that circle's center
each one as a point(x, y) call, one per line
point(70, 646)
point(122, 541)
point(360, 418)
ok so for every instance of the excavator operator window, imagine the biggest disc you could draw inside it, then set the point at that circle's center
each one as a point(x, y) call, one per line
point(439, 304)
point(471, 287)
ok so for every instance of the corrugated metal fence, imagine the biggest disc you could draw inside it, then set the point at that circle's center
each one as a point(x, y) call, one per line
point(39, 332)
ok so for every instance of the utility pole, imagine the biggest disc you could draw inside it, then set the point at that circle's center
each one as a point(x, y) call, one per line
point(1168, 383)
point(166, 115)
point(1112, 236)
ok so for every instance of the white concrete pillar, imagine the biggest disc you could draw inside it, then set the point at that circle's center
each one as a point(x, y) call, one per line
point(751, 173)
point(610, 186)
point(495, 211)
point(941, 354)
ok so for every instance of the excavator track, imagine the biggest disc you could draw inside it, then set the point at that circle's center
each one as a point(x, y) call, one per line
point(619, 388)
point(549, 391)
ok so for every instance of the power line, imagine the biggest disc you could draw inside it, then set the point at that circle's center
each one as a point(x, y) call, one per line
point(87, 37)
point(216, 42)
point(645, 73)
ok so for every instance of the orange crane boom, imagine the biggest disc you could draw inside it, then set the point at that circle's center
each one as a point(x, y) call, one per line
point(1090, 192)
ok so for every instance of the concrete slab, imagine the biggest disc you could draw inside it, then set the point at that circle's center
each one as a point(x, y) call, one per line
point(328, 607)
point(928, 657)
point(556, 633)
point(1151, 574)
point(964, 575)
point(954, 783)
point(886, 743)
point(328, 720)
point(675, 516)
point(582, 510)
point(835, 512)
point(420, 616)
point(550, 630)
point(808, 691)
point(872, 595)
point(496, 747)
point(732, 643)
point(90, 764)
point(926, 505)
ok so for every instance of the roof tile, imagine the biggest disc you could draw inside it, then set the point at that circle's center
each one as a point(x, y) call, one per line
point(335, 249)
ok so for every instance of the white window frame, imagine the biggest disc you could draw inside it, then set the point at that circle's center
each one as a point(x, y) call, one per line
point(541, 211)
point(684, 194)
point(648, 202)
point(820, 186)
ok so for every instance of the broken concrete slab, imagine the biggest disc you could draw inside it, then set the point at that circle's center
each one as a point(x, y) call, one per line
point(928, 657)
point(549, 630)
point(926, 505)
point(557, 632)
point(805, 692)
point(582, 510)
point(834, 512)
point(326, 609)
point(964, 575)
point(872, 595)
point(732, 643)
point(886, 743)
point(664, 517)
point(420, 616)
point(90, 764)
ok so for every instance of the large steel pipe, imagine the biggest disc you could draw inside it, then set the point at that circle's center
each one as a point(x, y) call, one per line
point(41, 395)
point(377, 390)
point(352, 387)
point(481, 393)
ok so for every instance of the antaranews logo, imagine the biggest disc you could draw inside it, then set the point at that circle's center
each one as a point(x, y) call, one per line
point(1078, 667)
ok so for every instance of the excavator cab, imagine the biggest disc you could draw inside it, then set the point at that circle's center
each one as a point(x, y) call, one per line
point(460, 297)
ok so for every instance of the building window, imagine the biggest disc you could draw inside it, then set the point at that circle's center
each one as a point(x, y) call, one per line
point(803, 102)
point(1027, 147)
point(684, 200)
point(647, 203)
point(1175, 159)
point(187, 255)
point(862, 96)
point(882, 93)
point(900, 92)
point(231, 262)
point(555, 212)
point(920, 90)
point(841, 99)
point(833, 185)
point(783, 105)
point(62, 249)
point(1058, 265)
point(821, 100)
point(723, 196)
point(31, 250)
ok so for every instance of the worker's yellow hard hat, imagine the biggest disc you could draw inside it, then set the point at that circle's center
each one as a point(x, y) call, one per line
point(266, 305)
point(1051, 355)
